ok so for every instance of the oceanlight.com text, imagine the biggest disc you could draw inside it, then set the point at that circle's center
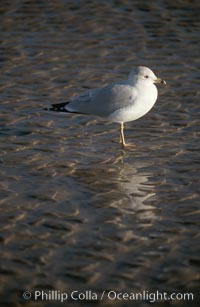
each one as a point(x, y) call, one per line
point(112, 295)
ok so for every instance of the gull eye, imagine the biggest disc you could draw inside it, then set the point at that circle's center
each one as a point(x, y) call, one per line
point(146, 77)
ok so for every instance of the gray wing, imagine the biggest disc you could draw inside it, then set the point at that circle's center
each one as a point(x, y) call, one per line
point(104, 101)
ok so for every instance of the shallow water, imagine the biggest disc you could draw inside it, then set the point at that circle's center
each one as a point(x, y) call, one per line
point(79, 213)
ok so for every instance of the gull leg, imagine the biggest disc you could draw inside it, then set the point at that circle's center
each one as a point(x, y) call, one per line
point(122, 139)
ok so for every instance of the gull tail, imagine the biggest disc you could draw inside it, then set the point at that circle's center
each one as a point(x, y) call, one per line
point(58, 107)
point(62, 108)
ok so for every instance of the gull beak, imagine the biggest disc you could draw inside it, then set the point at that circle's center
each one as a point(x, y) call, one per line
point(158, 80)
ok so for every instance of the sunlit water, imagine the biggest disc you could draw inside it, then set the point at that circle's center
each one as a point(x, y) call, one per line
point(77, 212)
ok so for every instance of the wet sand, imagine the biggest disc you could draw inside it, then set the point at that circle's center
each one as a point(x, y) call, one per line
point(78, 212)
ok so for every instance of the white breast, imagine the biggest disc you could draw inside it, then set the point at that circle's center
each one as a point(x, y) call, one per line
point(142, 104)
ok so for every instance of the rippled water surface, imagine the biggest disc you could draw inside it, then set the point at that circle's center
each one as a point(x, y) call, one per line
point(78, 212)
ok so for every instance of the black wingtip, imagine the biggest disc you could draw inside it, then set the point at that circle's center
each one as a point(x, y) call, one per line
point(57, 107)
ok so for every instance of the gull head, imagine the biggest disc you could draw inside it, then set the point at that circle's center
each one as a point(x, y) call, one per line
point(144, 75)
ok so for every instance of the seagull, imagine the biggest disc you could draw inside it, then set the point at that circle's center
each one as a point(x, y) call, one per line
point(118, 102)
